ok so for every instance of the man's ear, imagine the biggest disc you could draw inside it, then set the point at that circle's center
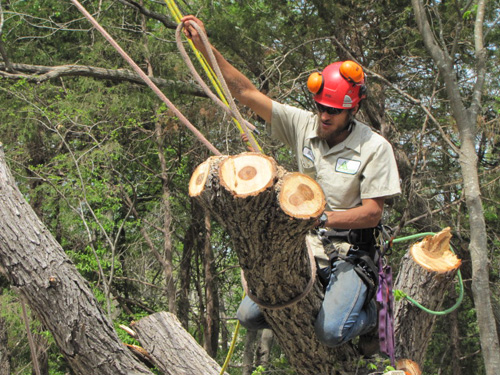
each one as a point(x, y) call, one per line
point(354, 110)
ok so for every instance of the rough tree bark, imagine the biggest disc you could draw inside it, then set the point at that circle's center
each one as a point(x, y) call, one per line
point(166, 259)
point(36, 265)
point(211, 325)
point(267, 213)
point(172, 349)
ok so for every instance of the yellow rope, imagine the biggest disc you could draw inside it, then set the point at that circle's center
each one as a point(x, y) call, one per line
point(177, 15)
point(231, 349)
point(174, 10)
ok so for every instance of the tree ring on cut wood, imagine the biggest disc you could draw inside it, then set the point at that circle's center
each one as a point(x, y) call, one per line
point(247, 174)
point(199, 178)
point(301, 197)
point(433, 253)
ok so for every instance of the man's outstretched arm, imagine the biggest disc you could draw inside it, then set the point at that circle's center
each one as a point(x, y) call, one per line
point(240, 86)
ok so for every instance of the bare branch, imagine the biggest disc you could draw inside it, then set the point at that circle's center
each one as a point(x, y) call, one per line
point(148, 13)
point(3, 52)
point(481, 59)
point(40, 73)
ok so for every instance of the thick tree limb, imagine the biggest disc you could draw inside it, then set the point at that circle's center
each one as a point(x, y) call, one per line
point(267, 213)
point(41, 73)
point(36, 265)
point(173, 350)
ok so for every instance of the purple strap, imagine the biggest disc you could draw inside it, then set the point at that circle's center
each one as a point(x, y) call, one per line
point(386, 312)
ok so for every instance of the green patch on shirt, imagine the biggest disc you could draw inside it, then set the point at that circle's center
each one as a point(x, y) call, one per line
point(347, 166)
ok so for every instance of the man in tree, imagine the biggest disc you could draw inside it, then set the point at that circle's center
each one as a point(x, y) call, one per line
point(357, 171)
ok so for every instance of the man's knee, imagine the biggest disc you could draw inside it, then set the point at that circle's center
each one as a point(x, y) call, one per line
point(327, 334)
point(250, 316)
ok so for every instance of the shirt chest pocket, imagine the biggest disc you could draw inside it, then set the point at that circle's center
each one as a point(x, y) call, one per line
point(306, 162)
point(308, 167)
point(342, 190)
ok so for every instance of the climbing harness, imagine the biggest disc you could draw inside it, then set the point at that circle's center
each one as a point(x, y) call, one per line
point(361, 252)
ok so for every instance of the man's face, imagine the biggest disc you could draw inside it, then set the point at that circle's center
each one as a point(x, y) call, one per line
point(332, 127)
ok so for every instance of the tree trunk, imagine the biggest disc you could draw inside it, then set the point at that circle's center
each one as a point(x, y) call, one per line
point(425, 273)
point(37, 266)
point(185, 269)
point(267, 213)
point(4, 350)
point(466, 120)
point(173, 350)
point(211, 324)
point(455, 344)
point(478, 247)
point(167, 256)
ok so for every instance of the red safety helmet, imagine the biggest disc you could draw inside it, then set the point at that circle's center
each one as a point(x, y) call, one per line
point(339, 85)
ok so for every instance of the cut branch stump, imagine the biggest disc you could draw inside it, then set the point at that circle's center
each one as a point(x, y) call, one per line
point(427, 271)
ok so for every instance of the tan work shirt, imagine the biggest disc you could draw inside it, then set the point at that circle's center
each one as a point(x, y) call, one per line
point(362, 166)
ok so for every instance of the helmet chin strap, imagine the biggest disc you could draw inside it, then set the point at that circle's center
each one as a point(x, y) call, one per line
point(350, 123)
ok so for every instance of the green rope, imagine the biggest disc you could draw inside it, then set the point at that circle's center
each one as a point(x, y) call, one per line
point(398, 294)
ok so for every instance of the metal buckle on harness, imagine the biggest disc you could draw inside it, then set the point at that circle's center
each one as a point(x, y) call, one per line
point(323, 236)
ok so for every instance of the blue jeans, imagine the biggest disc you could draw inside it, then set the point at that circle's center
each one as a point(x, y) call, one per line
point(342, 316)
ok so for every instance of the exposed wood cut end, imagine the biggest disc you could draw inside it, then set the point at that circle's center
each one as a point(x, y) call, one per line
point(141, 353)
point(199, 178)
point(433, 253)
point(408, 366)
point(247, 174)
point(301, 197)
point(130, 331)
